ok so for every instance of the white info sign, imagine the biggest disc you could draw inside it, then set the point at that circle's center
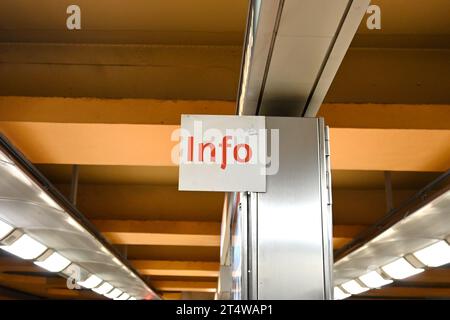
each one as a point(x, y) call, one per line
point(222, 153)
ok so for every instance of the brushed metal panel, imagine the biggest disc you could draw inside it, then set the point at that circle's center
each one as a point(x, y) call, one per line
point(261, 26)
point(292, 51)
point(252, 246)
point(290, 230)
point(311, 18)
point(295, 65)
point(342, 41)
point(304, 37)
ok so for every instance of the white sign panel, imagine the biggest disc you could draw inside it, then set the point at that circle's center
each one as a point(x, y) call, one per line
point(222, 153)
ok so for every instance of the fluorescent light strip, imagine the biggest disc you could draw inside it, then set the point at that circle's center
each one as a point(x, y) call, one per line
point(16, 242)
point(353, 287)
point(132, 298)
point(103, 289)
point(124, 296)
point(434, 255)
point(54, 263)
point(374, 280)
point(339, 294)
point(114, 294)
point(401, 269)
point(91, 282)
point(5, 229)
point(25, 247)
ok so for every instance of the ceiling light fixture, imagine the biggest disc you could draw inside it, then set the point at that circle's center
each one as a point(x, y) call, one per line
point(124, 296)
point(374, 280)
point(103, 289)
point(5, 229)
point(91, 282)
point(38, 223)
point(434, 255)
point(354, 287)
point(410, 238)
point(52, 261)
point(22, 245)
point(401, 269)
point(114, 293)
point(339, 294)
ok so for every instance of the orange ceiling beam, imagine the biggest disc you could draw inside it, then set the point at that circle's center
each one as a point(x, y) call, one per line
point(390, 149)
point(189, 286)
point(157, 111)
point(158, 226)
point(162, 239)
point(184, 233)
point(151, 145)
point(177, 268)
point(94, 110)
point(100, 144)
point(176, 233)
point(386, 116)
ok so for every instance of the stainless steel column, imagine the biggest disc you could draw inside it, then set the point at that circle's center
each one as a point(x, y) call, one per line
point(281, 240)
point(294, 251)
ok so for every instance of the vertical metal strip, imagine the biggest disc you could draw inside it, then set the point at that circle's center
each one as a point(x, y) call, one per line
point(327, 224)
point(253, 246)
point(243, 208)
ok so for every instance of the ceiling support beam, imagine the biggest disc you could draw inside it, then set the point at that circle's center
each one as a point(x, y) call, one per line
point(120, 71)
point(94, 110)
point(120, 144)
point(386, 116)
point(168, 112)
point(177, 268)
point(184, 233)
point(390, 149)
point(99, 144)
point(174, 233)
point(402, 75)
point(187, 286)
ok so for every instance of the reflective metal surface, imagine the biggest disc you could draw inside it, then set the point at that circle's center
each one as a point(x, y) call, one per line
point(252, 258)
point(293, 238)
point(349, 24)
point(44, 216)
point(261, 27)
point(424, 223)
point(292, 51)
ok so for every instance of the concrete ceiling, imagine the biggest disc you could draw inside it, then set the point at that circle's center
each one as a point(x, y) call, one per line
point(134, 68)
